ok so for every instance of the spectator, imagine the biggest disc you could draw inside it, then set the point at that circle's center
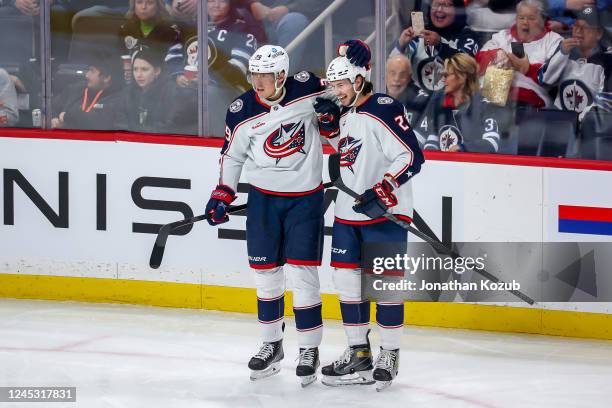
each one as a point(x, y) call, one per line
point(231, 42)
point(458, 118)
point(284, 20)
point(491, 15)
point(562, 12)
point(149, 103)
point(445, 35)
point(586, 65)
point(400, 86)
point(539, 44)
point(92, 106)
point(9, 112)
point(148, 23)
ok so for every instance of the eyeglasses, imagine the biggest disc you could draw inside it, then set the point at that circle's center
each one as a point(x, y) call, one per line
point(444, 6)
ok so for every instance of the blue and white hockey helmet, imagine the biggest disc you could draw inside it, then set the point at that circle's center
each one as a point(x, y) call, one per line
point(269, 59)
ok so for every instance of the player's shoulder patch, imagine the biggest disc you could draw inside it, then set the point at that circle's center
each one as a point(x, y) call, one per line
point(236, 106)
point(302, 76)
point(384, 100)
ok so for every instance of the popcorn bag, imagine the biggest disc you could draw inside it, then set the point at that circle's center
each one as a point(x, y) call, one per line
point(496, 84)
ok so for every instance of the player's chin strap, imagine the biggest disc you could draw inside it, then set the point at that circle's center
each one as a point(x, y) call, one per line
point(277, 90)
point(357, 92)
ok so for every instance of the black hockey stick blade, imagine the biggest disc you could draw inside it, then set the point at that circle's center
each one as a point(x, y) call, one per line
point(336, 179)
point(159, 247)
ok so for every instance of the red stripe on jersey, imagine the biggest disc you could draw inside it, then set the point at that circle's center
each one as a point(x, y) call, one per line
point(288, 194)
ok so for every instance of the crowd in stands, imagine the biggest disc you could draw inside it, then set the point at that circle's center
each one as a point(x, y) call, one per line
point(526, 77)
point(475, 75)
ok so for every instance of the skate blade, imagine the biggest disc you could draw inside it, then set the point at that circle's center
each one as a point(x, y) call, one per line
point(274, 368)
point(381, 385)
point(308, 379)
point(359, 378)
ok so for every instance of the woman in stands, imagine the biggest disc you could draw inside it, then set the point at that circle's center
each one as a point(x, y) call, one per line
point(539, 44)
point(148, 23)
point(444, 35)
point(149, 103)
point(458, 119)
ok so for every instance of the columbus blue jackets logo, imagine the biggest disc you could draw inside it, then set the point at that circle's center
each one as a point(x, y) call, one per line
point(285, 141)
point(449, 136)
point(349, 150)
point(575, 95)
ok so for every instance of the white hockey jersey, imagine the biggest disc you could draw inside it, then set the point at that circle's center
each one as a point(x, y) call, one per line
point(376, 141)
point(578, 81)
point(279, 146)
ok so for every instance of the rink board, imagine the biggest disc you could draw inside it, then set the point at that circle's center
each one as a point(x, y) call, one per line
point(102, 191)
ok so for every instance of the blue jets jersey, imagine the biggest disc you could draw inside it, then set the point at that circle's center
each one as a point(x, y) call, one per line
point(278, 146)
point(375, 142)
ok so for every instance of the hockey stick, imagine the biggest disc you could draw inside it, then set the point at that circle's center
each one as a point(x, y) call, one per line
point(162, 236)
point(336, 179)
point(164, 232)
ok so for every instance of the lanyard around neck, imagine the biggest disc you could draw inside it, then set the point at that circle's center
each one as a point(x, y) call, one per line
point(84, 106)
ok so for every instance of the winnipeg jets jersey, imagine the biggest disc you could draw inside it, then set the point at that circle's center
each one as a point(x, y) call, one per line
point(278, 146)
point(376, 141)
point(578, 81)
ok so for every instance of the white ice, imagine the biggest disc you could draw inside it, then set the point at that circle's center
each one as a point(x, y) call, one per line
point(133, 356)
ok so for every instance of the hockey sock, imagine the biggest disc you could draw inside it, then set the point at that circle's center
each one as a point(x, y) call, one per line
point(390, 319)
point(304, 281)
point(270, 284)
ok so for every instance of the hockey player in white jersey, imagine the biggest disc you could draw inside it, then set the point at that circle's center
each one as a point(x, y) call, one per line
point(273, 134)
point(379, 154)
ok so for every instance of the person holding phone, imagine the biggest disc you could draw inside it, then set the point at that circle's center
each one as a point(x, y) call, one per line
point(531, 37)
point(443, 35)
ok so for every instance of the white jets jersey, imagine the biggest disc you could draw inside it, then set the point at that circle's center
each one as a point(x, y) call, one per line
point(376, 141)
point(578, 81)
point(278, 146)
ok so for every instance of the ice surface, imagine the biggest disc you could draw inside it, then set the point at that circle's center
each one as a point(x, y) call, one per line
point(134, 356)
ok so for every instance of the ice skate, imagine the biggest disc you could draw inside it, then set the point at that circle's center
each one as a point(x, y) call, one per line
point(386, 368)
point(267, 360)
point(354, 367)
point(308, 365)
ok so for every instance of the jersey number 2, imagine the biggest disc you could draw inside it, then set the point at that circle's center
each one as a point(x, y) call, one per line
point(401, 122)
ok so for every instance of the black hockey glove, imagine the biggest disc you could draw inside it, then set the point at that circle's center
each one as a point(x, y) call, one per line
point(220, 199)
point(358, 53)
point(328, 115)
point(375, 201)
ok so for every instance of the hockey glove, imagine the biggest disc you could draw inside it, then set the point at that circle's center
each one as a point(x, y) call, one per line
point(328, 115)
point(220, 199)
point(375, 201)
point(358, 52)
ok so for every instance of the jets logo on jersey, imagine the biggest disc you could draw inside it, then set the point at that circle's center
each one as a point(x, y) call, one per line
point(349, 150)
point(285, 141)
point(429, 74)
point(575, 95)
point(384, 100)
point(449, 136)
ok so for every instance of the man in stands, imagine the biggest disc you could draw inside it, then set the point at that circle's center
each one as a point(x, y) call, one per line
point(581, 67)
point(401, 87)
point(92, 106)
